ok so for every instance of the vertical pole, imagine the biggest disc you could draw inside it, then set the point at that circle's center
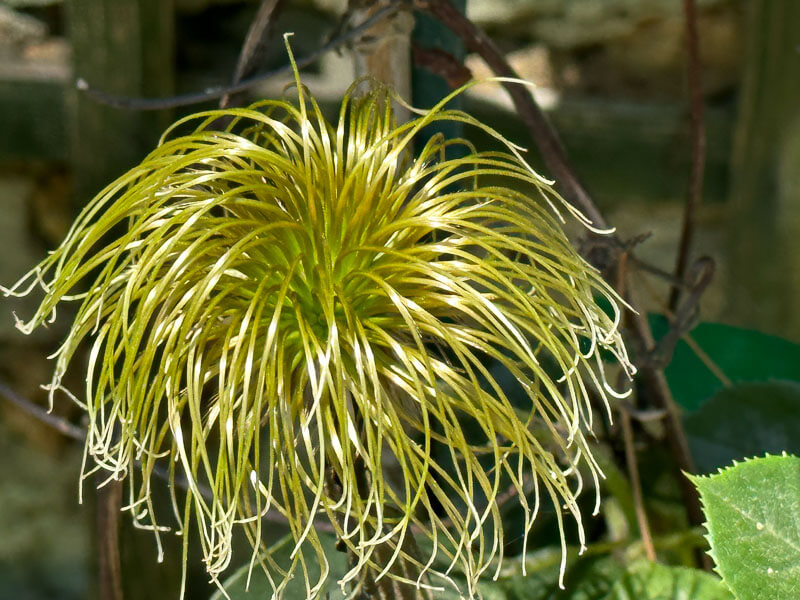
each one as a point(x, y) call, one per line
point(428, 87)
point(109, 500)
point(764, 249)
point(124, 47)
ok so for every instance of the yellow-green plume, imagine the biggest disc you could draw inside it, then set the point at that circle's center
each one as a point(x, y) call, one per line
point(284, 308)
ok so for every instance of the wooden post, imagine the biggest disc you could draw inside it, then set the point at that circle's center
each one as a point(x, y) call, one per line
point(124, 47)
point(764, 259)
point(384, 52)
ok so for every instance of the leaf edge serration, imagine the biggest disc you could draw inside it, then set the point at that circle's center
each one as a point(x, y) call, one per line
point(700, 481)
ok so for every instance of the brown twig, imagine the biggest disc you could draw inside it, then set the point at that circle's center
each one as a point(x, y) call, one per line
point(709, 363)
point(109, 501)
point(368, 587)
point(213, 93)
point(76, 433)
point(546, 140)
point(61, 425)
point(542, 131)
point(441, 63)
point(612, 246)
point(636, 484)
point(695, 192)
point(251, 55)
point(657, 388)
point(686, 314)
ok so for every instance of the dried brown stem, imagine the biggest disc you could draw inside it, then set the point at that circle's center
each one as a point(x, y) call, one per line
point(694, 194)
point(74, 432)
point(252, 52)
point(686, 314)
point(61, 425)
point(656, 385)
point(636, 484)
point(109, 501)
point(542, 131)
point(442, 63)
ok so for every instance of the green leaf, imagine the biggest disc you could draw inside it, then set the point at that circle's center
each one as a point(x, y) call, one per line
point(590, 579)
point(741, 355)
point(745, 420)
point(236, 584)
point(753, 512)
point(650, 581)
point(489, 590)
point(587, 578)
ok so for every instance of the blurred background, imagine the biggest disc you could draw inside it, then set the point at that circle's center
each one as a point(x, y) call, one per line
point(611, 75)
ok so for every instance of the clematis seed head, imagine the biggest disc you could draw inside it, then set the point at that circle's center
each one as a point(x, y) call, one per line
point(306, 318)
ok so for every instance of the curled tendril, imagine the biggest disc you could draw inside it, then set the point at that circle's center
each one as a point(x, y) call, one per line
point(281, 307)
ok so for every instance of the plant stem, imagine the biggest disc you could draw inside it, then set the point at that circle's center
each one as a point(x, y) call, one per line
point(636, 484)
point(542, 131)
point(252, 52)
point(695, 191)
point(387, 588)
point(60, 424)
point(656, 383)
point(213, 93)
point(109, 501)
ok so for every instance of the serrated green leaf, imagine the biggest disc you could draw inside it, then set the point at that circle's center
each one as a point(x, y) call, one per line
point(753, 512)
point(748, 419)
point(741, 354)
point(651, 581)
